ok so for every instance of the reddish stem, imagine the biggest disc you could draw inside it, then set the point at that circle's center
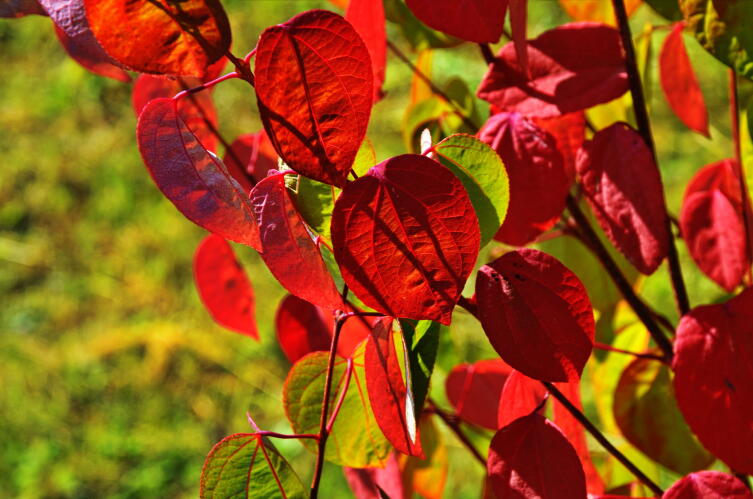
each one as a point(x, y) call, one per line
point(274, 434)
point(343, 392)
point(205, 86)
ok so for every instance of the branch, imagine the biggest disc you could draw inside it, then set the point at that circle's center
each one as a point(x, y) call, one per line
point(452, 423)
point(610, 348)
point(644, 127)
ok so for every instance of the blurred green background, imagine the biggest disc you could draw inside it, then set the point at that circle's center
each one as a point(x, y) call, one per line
point(114, 381)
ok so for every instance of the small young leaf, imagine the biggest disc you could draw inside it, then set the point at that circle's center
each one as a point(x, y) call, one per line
point(224, 287)
point(287, 246)
point(531, 458)
point(406, 238)
point(538, 181)
point(314, 86)
point(192, 178)
point(520, 396)
point(367, 17)
point(622, 184)
point(572, 67)
point(480, 21)
point(248, 465)
point(250, 158)
point(536, 314)
point(680, 85)
point(474, 390)
point(483, 175)
point(174, 38)
point(714, 378)
point(708, 485)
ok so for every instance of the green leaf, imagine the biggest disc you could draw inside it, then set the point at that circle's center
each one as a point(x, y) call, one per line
point(417, 33)
point(723, 27)
point(668, 9)
point(355, 441)
point(248, 465)
point(484, 177)
point(422, 342)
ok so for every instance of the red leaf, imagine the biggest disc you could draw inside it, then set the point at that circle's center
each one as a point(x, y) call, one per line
point(708, 485)
point(572, 67)
point(713, 367)
point(250, 158)
point(480, 21)
point(538, 181)
point(474, 391)
point(174, 38)
point(531, 458)
point(20, 8)
point(518, 21)
point(391, 402)
point(194, 180)
point(521, 396)
point(406, 238)
point(287, 246)
point(569, 132)
point(366, 483)
point(622, 184)
point(314, 85)
point(224, 287)
point(536, 314)
point(195, 109)
point(680, 85)
point(367, 17)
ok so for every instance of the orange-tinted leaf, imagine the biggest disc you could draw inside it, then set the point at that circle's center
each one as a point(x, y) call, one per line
point(314, 85)
point(406, 238)
point(538, 180)
point(680, 85)
point(250, 158)
point(369, 483)
point(367, 17)
point(224, 287)
point(287, 245)
point(474, 390)
point(161, 36)
point(713, 382)
point(572, 67)
point(480, 21)
point(20, 8)
point(192, 178)
point(521, 396)
point(531, 458)
point(536, 314)
point(569, 131)
point(622, 184)
point(708, 485)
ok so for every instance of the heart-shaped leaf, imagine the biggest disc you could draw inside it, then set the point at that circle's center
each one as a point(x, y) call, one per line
point(474, 391)
point(536, 314)
point(708, 485)
point(314, 86)
point(406, 238)
point(480, 21)
point(224, 286)
point(193, 179)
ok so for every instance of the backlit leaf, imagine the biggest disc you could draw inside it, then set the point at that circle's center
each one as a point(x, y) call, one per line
point(569, 132)
point(302, 398)
point(248, 465)
point(713, 367)
point(680, 85)
point(538, 181)
point(91, 57)
point(572, 67)
point(224, 287)
point(367, 17)
point(536, 314)
point(193, 179)
point(621, 182)
point(669, 9)
point(174, 38)
point(250, 157)
point(287, 246)
point(314, 86)
point(708, 485)
point(480, 21)
point(406, 238)
point(417, 33)
point(520, 396)
point(531, 458)
point(422, 342)
point(474, 390)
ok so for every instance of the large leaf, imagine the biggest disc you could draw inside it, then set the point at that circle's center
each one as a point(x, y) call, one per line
point(680, 85)
point(572, 67)
point(367, 17)
point(422, 342)
point(531, 458)
point(480, 21)
point(483, 175)
point(406, 238)
point(355, 441)
point(708, 485)
point(173, 38)
point(287, 246)
point(314, 85)
point(474, 390)
point(193, 179)
point(248, 465)
point(723, 28)
point(713, 367)
point(536, 314)
point(621, 182)
point(647, 414)
point(224, 287)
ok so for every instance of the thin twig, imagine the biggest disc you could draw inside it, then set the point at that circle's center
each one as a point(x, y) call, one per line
point(610, 348)
point(745, 205)
point(452, 423)
point(486, 51)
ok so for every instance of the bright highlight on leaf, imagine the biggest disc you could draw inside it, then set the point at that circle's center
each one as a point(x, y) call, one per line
point(314, 85)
